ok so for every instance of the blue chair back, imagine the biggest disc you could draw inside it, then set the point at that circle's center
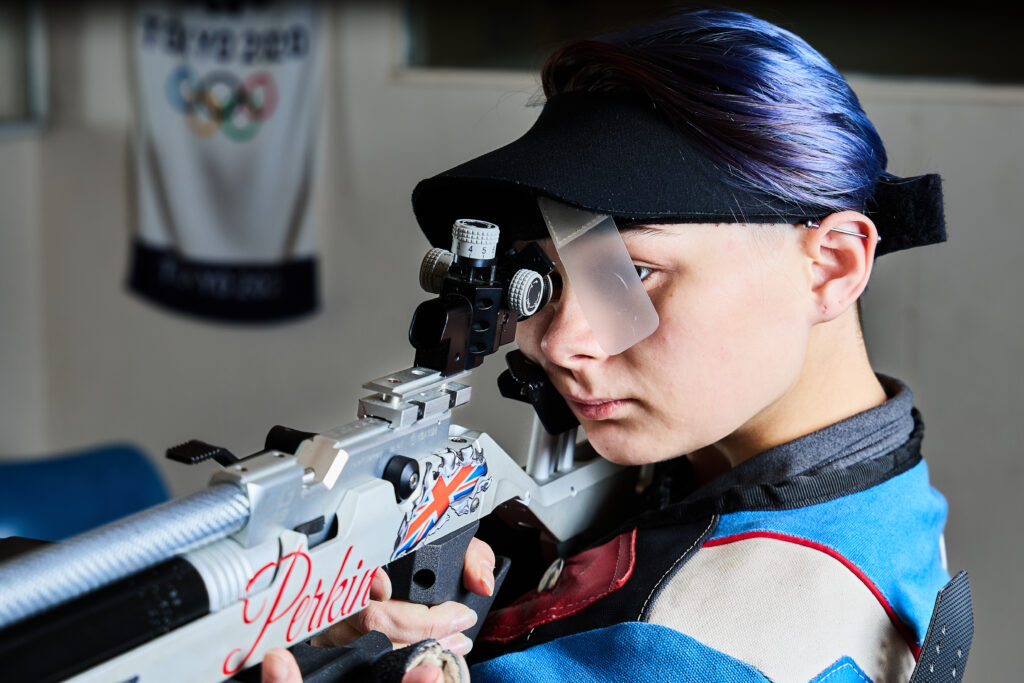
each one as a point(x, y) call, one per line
point(54, 498)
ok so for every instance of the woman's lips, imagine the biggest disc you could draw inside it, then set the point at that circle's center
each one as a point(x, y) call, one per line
point(595, 409)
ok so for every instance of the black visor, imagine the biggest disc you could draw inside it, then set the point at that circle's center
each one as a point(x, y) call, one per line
point(614, 155)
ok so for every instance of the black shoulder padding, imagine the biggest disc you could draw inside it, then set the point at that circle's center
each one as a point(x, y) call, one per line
point(948, 640)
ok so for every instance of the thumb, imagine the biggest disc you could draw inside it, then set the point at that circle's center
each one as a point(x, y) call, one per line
point(279, 666)
point(424, 673)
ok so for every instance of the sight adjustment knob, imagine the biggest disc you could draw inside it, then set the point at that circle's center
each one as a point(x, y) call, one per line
point(525, 292)
point(404, 475)
point(434, 269)
point(473, 239)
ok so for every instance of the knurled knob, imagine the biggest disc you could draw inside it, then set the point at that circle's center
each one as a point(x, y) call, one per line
point(525, 292)
point(195, 451)
point(475, 239)
point(434, 269)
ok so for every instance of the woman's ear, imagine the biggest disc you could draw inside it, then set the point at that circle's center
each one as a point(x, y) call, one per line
point(840, 262)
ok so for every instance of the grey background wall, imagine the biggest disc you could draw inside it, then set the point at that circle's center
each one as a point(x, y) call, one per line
point(82, 362)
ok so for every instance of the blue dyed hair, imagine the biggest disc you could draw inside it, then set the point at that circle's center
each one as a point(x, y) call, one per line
point(766, 105)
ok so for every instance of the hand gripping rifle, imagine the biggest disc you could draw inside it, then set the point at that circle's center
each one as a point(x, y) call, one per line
point(284, 543)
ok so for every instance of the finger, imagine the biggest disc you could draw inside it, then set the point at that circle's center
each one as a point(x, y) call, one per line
point(457, 644)
point(380, 585)
point(478, 572)
point(342, 633)
point(279, 666)
point(408, 622)
point(424, 673)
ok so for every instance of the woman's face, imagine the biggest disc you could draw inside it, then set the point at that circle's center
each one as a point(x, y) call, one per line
point(731, 341)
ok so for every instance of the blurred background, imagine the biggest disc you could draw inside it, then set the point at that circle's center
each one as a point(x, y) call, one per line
point(409, 90)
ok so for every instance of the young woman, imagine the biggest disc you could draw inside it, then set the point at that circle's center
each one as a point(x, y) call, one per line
point(790, 532)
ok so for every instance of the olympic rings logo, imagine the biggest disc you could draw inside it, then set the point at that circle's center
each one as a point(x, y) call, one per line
point(222, 101)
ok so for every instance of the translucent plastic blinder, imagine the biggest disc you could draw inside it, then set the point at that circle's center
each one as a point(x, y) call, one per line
point(612, 297)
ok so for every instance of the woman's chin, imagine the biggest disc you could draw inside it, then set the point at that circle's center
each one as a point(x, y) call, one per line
point(615, 444)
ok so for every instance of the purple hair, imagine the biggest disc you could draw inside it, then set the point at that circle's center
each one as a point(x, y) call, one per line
point(767, 106)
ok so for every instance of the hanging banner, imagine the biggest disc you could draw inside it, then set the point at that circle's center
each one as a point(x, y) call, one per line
point(228, 98)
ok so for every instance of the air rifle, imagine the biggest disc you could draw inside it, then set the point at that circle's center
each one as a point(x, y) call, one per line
point(284, 543)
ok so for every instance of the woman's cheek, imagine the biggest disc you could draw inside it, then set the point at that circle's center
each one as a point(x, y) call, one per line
point(530, 333)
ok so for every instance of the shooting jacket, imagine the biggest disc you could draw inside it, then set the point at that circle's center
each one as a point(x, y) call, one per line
point(827, 576)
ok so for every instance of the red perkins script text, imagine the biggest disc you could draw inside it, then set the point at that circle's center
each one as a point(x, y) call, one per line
point(305, 611)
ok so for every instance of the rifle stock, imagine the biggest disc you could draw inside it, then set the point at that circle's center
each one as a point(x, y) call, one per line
point(316, 526)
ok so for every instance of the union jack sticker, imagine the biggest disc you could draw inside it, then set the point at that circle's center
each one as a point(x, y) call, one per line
point(452, 482)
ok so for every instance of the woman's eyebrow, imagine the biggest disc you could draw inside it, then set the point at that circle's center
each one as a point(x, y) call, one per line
point(645, 231)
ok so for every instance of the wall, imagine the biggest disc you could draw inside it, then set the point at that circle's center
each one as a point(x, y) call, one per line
point(948, 320)
point(84, 362)
point(23, 365)
point(104, 365)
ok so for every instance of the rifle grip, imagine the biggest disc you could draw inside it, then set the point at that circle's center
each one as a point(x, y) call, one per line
point(331, 664)
point(433, 574)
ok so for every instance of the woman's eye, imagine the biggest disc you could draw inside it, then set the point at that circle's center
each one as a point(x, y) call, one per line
point(642, 271)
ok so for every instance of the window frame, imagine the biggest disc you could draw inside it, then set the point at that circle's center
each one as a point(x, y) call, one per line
point(37, 81)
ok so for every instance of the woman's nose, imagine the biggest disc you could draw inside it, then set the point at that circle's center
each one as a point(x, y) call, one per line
point(568, 340)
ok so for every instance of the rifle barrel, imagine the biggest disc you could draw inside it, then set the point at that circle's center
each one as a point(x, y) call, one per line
point(53, 574)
